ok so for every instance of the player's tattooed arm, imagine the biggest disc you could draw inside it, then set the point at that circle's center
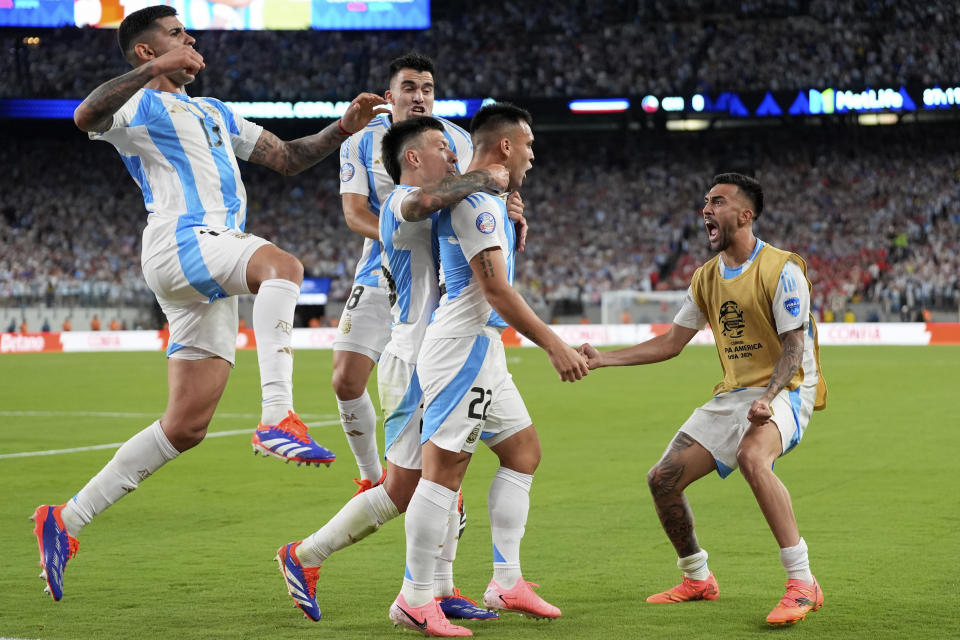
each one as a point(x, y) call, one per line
point(292, 157)
point(791, 356)
point(95, 113)
point(421, 204)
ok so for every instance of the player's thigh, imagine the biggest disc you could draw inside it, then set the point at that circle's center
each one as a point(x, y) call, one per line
point(791, 414)
point(365, 322)
point(718, 426)
point(195, 388)
point(401, 401)
point(200, 329)
point(458, 387)
point(206, 263)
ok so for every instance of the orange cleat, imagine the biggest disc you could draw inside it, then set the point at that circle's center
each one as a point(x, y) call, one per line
point(801, 598)
point(689, 590)
point(366, 485)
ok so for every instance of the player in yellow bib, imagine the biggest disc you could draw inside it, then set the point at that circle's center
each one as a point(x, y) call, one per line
point(756, 299)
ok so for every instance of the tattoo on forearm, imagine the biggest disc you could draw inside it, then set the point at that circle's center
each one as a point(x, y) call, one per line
point(106, 100)
point(790, 358)
point(294, 156)
point(447, 192)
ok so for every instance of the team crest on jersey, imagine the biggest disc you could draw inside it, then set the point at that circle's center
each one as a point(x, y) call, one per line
point(792, 305)
point(486, 223)
point(347, 172)
point(731, 319)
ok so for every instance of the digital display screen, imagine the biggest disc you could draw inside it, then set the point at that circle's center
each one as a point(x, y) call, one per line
point(201, 15)
point(314, 291)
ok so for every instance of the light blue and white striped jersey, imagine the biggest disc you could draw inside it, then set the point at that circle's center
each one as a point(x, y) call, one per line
point(410, 257)
point(182, 152)
point(362, 172)
point(478, 222)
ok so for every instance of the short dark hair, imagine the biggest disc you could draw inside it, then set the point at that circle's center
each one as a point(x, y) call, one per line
point(749, 186)
point(499, 114)
point(398, 137)
point(413, 60)
point(138, 23)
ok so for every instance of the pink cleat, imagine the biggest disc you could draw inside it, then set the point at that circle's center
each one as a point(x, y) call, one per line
point(520, 599)
point(428, 619)
point(689, 590)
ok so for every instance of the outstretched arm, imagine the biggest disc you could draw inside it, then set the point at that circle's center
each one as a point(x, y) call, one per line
point(791, 343)
point(293, 156)
point(422, 203)
point(96, 111)
point(490, 270)
point(658, 349)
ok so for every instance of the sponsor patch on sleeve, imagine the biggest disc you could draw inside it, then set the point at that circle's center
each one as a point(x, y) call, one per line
point(347, 171)
point(486, 223)
point(792, 305)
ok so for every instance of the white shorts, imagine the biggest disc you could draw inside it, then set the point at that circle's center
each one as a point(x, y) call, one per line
point(195, 283)
point(721, 423)
point(401, 401)
point(468, 393)
point(365, 322)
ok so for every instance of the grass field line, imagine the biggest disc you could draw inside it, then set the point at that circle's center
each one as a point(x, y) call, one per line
point(128, 414)
point(116, 445)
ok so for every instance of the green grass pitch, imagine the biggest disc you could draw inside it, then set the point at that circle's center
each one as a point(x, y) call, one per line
point(189, 554)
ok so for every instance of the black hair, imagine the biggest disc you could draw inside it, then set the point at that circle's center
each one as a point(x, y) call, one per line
point(412, 60)
point(138, 23)
point(749, 186)
point(499, 114)
point(396, 139)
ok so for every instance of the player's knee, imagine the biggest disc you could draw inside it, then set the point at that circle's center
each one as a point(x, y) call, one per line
point(185, 434)
point(752, 462)
point(290, 268)
point(346, 384)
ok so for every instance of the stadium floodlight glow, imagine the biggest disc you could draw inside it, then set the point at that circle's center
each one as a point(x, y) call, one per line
point(450, 108)
point(688, 124)
point(874, 119)
point(601, 105)
point(698, 102)
point(672, 103)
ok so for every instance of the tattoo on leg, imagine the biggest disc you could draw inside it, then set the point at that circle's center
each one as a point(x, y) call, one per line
point(677, 521)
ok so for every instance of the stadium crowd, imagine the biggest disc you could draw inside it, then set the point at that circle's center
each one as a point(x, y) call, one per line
point(578, 48)
point(875, 218)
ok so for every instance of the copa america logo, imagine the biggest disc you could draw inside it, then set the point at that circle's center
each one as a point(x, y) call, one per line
point(346, 172)
point(486, 223)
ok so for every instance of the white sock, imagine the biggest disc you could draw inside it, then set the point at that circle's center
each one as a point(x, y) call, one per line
point(509, 503)
point(426, 527)
point(695, 566)
point(361, 516)
point(797, 563)
point(273, 310)
point(359, 422)
point(134, 461)
point(443, 574)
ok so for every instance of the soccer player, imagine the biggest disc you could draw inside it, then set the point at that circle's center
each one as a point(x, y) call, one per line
point(756, 299)
point(418, 157)
point(468, 393)
point(196, 259)
point(365, 321)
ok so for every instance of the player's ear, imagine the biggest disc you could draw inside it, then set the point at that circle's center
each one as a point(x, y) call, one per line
point(412, 156)
point(505, 146)
point(746, 216)
point(143, 52)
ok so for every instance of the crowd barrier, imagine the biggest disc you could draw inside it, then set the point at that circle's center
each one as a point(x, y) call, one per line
point(857, 333)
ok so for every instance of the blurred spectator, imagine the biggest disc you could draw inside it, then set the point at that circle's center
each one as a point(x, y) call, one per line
point(95, 323)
